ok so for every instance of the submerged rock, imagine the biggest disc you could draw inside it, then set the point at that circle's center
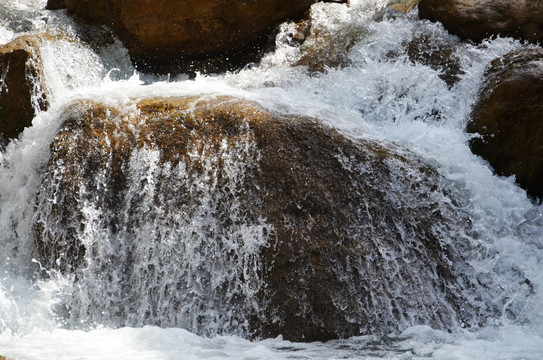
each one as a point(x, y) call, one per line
point(508, 116)
point(22, 88)
point(327, 45)
point(164, 34)
point(477, 19)
point(219, 217)
point(395, 9)
point(439, 54)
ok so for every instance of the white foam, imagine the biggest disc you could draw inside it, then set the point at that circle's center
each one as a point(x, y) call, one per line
point(377, 95)
point(6, 35)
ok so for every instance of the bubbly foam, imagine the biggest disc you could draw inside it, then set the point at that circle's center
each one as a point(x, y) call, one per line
point(380, 93)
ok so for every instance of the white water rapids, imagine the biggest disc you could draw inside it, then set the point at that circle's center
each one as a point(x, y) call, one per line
point(380, 93)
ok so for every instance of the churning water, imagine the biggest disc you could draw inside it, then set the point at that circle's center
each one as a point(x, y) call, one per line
point(379, 91)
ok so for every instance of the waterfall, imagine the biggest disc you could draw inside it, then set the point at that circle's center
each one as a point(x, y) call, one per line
point(163, 250)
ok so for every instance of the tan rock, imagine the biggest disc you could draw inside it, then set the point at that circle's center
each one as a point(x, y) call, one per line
point(350, 232)
point(479, 19)
point(395, 9)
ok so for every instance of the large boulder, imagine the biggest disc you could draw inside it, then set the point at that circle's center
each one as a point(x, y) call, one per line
point(22, 91)
point(509, 118)
point(220, 217)
point(479, 19)
point(162, 34)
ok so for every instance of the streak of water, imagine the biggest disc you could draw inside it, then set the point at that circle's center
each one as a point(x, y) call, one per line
point(379, 92)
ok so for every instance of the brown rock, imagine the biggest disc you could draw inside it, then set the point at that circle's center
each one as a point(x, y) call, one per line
point(56, 4)
point(479, 19)
point(325, 48)
point(509, 118)
point(20, 72)
point(161, 34)
point(437, 53)
point(395, 9)
point(154, 205)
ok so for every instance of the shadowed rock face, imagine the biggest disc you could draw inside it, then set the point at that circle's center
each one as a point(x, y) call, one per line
point(162, 34)
point(349, 236)
point(55, 4)
point(508, 116)
point(21, 89)
point(478, 19)
point(219, 217)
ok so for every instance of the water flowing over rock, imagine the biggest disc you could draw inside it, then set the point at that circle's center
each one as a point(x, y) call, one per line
point(163, 34)
point(323, 47)
point(219, 217)
point(477, 19)
point(395, 9)
point(508, 116)
point(437, 53)
point(22, 92)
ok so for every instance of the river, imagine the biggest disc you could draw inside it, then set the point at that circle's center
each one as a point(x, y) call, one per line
point(379, 92)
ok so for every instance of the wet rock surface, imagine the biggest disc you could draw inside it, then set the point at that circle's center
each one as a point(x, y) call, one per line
point(165, 35)
point(508, 116)
point(438, 54)
point(477, 19)
point(220, 217)
point(22, 91)
point(395, 9)
point(323, 48)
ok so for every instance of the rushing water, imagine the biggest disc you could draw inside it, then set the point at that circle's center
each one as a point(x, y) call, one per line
point(379, 92)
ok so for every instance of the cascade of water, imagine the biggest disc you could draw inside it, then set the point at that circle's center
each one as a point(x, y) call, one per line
point(378, 91)
point(170, 253)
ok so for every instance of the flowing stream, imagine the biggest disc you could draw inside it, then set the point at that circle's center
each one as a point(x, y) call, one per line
point(378, 92)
